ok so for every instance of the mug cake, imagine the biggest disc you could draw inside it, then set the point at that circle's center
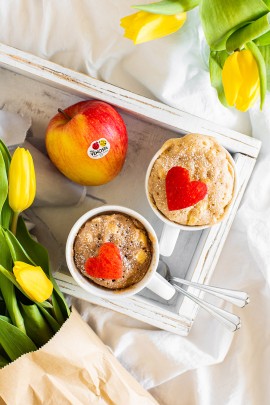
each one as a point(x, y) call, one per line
point(118, 240)
point(192, 180)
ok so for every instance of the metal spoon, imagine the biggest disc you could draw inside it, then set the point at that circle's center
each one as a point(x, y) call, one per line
point(239, 298)
point(231, 321)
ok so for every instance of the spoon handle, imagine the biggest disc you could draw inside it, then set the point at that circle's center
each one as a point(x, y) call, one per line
point(231, 321)
point(239, 298)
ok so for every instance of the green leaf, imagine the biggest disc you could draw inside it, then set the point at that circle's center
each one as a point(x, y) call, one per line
point(46, 304)
point(7, 287)
point(12, 306)
point(221, 18)
point(3, 182)
point(37, 253)
point(216, 63)
point(36, 327)
point(264, 40)
point(50, 319)
point(14, 341)
point(57, 310)
point(6, 154)
point(5, 256)
point(6, 215)
point(2, 306)
point(5, 318)
point(16, 249)
point(246, 34)
point(267, 2)
point(6, 210)
point(40, 257)
point(2, 351)
point(168, 7)
point(3, 361)
point(262, 69)
point(265, 51)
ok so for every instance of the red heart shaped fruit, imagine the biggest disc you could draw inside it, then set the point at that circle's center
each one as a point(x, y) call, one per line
point(107, 264)
point(180, 191)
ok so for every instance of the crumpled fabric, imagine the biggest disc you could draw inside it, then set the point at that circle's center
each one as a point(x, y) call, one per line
point(211, 366)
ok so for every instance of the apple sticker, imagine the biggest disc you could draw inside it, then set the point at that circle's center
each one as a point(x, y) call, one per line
point(98, 148)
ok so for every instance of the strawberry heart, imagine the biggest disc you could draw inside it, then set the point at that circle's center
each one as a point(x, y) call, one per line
point(181, 192)
point(107, 264)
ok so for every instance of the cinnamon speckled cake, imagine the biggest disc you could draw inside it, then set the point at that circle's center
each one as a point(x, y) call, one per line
point(128, 234)
point(207, 162)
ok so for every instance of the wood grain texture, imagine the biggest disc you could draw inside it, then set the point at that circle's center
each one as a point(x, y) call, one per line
point(85, 86)
point(32, 86)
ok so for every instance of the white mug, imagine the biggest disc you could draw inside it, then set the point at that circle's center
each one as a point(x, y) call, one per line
point(152, 280)
point(171, 230)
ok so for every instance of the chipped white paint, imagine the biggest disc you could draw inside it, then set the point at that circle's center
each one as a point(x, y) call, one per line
point(85, 86)
point(198, 253)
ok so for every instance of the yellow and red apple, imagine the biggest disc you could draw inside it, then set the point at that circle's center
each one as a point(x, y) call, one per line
point(87, 142)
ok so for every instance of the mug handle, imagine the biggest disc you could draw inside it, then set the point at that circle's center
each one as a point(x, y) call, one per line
point(168, 239)
point(161, 287)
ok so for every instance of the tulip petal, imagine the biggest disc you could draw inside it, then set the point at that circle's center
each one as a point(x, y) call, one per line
point(241, 81)
point(250, 85)
point(33, 281)
point(32, 180)
point(231, 78)
point(143, 26)
point(22, 180)
point(244, 103)
point(13, 184)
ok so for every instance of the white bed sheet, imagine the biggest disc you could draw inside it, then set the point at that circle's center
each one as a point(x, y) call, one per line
point(211, 366)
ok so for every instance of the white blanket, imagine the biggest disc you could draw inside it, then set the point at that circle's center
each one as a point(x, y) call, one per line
point(211, 365)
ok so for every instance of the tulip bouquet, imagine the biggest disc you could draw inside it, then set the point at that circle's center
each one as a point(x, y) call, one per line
point(238, 35)
point(32, 308)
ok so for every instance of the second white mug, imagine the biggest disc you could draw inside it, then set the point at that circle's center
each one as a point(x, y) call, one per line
point(171, 230)
point(152, 280)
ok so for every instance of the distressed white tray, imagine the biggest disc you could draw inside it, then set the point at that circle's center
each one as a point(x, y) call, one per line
point(36, 87)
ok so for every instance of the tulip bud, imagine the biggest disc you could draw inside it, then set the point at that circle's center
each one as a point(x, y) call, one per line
point(33, 281)
point(143, 26)
point(22, 183)
point(240, 78)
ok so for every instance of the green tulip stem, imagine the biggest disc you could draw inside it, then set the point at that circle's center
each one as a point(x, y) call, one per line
point(64, 113)
point(14, 222)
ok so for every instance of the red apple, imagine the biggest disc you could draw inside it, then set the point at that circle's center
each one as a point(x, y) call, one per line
point(95, 145)
point(87, 142)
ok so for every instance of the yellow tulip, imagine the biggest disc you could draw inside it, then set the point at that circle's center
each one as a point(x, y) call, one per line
point(22, 183)
point(240, 78)
point(143, 26)
point(33, 281)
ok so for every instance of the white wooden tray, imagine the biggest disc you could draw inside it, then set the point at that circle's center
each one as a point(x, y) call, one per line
point(36, 87)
